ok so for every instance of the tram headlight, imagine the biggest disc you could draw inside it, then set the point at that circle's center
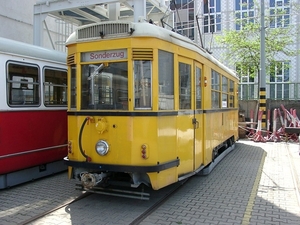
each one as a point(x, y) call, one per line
point(102, 147)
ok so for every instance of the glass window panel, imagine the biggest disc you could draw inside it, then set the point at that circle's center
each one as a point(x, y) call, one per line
point(55, 87)
point(198, 88)
point(279, 73)
point(279, 91)
point(73, 87)
point(286, 91)
point(224, 101)
point(286, 72)
point(244, 5)
point(215, 81)
point(244, 12)
point(251, 14)
point(104, 86)
point(272, 3)
point(244, 91)
point(279, 3)
point(184, 86)
point(231, 92)
point(142, 84)
point(286, 21)
point(279, 20)
point(231, 89)
point(272, 91)
point(218, 22)
point(212, 17)
point(23, 85)
point(205, 6)
point(250, 4)
point(215, 98)
point(224, 84)
point(218, 5)
point(166, 80)
point(206, 30)
point(272, 11)
point(237, 5)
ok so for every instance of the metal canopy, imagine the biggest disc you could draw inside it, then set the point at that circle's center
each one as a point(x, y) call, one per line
point(99, 12)
point(81, 12)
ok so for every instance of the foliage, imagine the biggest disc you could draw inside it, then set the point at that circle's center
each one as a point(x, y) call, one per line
point(243, 46)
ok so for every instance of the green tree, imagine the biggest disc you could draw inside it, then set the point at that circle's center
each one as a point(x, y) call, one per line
point(243, 46)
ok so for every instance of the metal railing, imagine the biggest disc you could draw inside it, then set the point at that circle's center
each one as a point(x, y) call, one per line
point(275, 91)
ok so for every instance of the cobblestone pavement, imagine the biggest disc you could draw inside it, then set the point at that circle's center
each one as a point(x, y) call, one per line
point(257, 183)
point(22, 202)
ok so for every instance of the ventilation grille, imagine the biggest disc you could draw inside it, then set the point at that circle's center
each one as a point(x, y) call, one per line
point(71, 60)
point(107, 29)
point(142, 53)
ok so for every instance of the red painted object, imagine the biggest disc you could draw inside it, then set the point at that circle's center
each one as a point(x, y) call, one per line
point(31, 138)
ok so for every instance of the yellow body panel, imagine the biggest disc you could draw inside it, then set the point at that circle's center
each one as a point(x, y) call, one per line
point(185, 144)
point(218, 126)
point(125, 136)
point(199, 142)
point(163, 178)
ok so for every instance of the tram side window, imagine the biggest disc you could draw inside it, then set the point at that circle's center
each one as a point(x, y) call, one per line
point(73, 87)
point(166, 80)
point(23, 84)
point(184, 86)
point(142, 84)
point(55, 87)
point(215, 89)
point(224, 92)
point(231, 94)
point(198, 88)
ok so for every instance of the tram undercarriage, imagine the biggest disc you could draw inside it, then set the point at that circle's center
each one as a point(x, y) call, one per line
point(132, 185)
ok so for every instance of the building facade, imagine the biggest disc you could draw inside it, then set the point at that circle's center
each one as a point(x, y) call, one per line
point(201, 20)
point(213, 17)
point(17, 24)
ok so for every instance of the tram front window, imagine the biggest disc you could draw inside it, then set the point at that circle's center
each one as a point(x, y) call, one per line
point(104, 86)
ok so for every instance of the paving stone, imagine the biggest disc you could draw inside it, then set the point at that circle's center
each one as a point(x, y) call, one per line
point(257, 183)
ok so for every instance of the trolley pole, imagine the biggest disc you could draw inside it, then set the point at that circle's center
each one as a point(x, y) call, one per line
point(262, 82)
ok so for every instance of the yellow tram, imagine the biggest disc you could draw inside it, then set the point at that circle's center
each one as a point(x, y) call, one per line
point(146, 106)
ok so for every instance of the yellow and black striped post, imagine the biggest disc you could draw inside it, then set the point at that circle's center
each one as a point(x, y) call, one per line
point(263, 106)
point(262, 85)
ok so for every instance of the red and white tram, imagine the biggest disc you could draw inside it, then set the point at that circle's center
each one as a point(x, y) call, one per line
point(33, 112)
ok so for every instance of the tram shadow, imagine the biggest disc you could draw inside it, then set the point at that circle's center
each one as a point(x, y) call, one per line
point(106, 209)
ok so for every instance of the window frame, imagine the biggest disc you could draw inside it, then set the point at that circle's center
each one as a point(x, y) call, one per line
point(62, 102)
point(212, 15)
point(23, 85)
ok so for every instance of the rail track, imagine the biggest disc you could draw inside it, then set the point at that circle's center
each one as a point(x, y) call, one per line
point(141, 208)
point(36, 217)
point(73, 208)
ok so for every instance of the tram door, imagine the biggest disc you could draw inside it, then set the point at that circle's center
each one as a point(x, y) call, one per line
point(198, 117)
point(186, 115)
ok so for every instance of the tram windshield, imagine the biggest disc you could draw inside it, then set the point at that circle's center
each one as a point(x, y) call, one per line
point(104, 86)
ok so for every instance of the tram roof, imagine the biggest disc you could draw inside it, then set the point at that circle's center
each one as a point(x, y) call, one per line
point(143, 29)
point(23, 49)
